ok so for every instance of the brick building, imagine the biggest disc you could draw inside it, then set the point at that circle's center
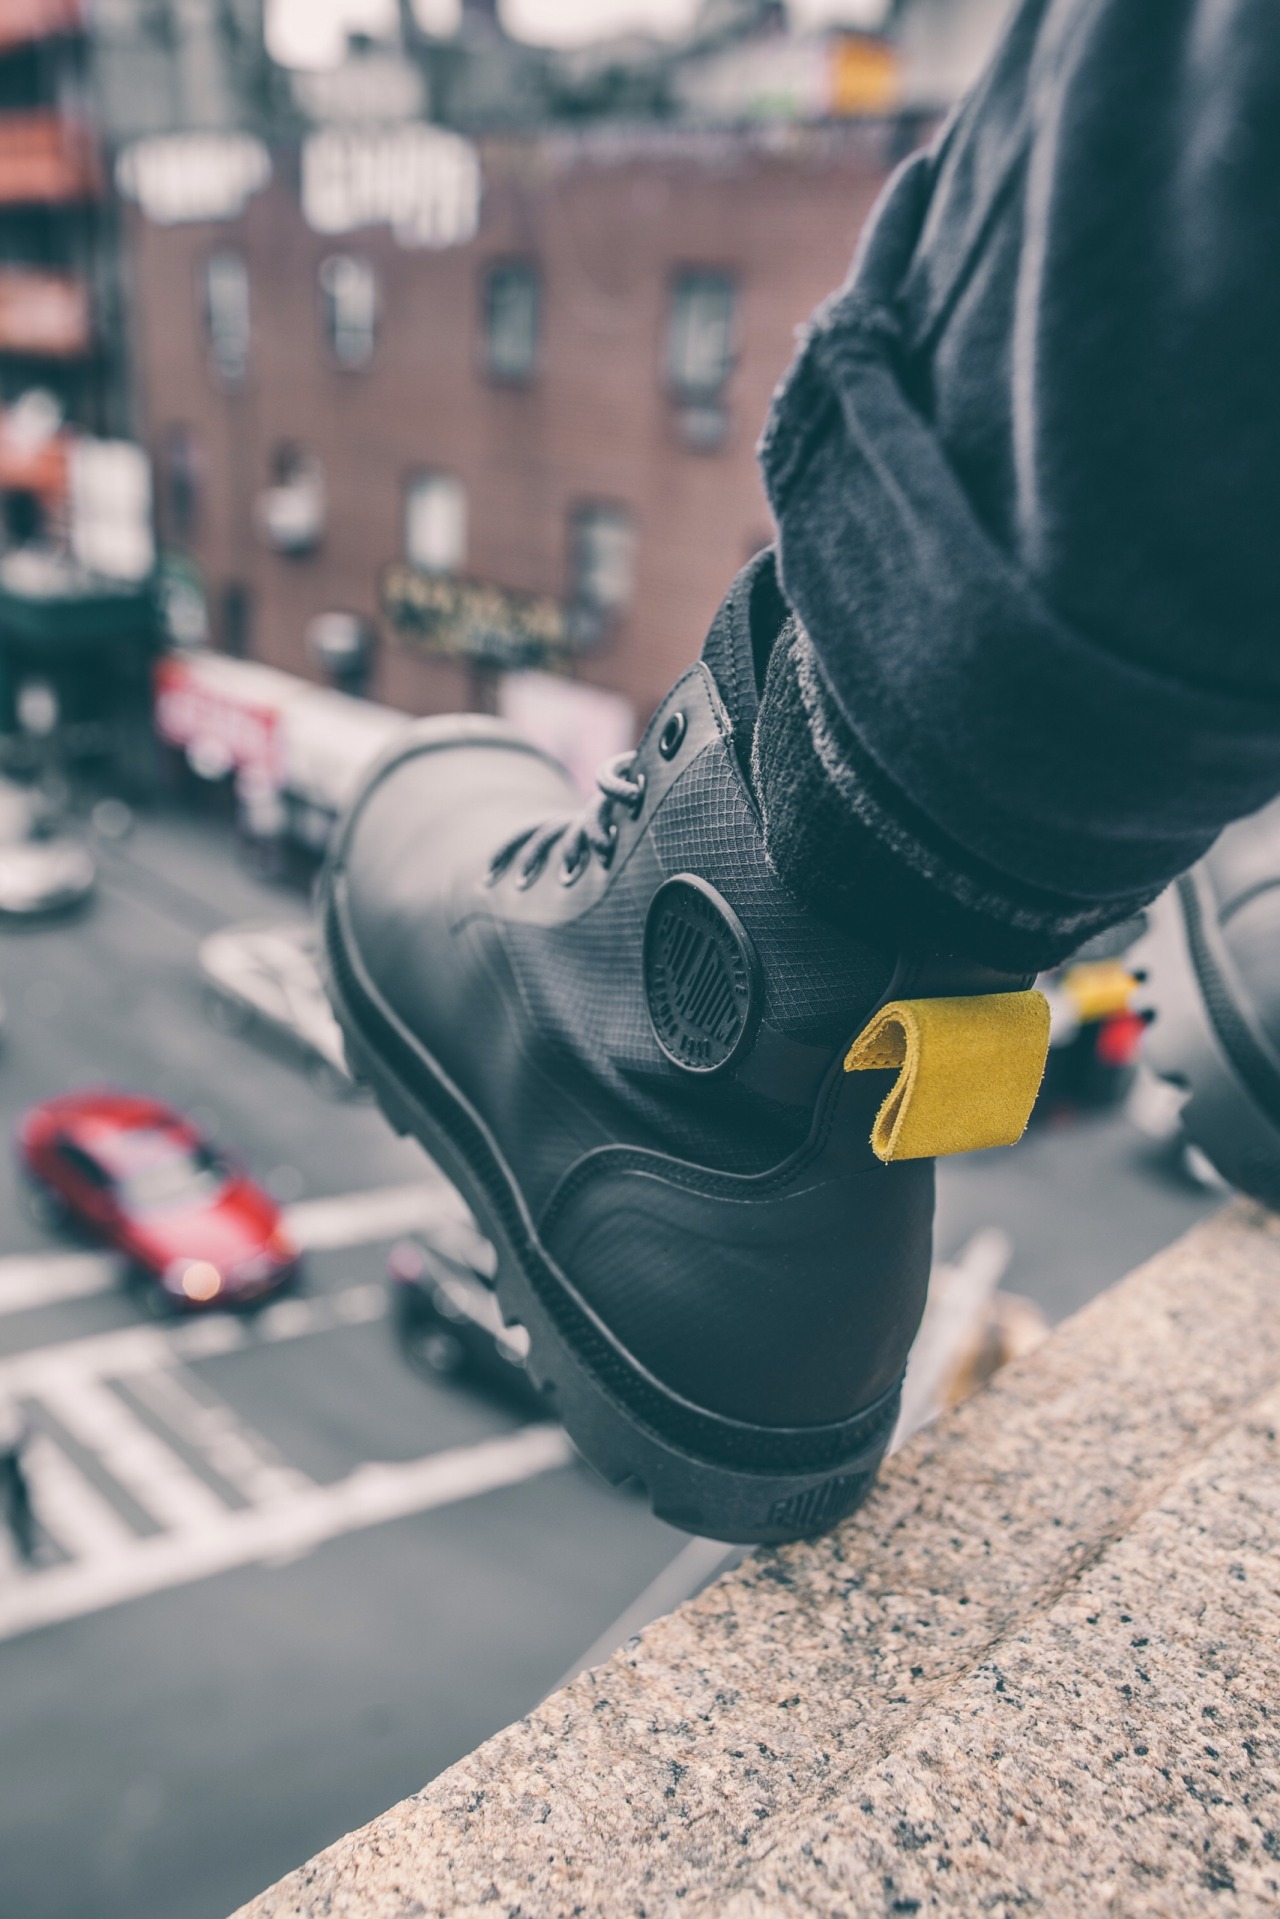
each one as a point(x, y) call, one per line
point(76, 617)
point(546, 414)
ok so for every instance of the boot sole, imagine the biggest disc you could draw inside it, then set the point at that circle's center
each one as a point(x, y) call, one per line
point(722, 1478)
point(1202, 1042)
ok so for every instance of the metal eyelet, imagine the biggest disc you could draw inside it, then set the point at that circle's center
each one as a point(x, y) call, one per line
point(570, 872)
point(637, 801)
point(606, 856)
point(527, 875)
point(500, 865)
point(671, 738)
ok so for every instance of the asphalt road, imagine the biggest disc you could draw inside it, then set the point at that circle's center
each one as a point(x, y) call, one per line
point(287, 1581)
point(163, 1756)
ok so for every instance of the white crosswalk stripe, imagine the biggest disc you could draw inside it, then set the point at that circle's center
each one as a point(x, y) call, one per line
point(80, 1518)
point(321, 1225)
point(209, 1426)
point(142, 1349)
point(29, 1280)
point(150, 1472)
point(370, 1496)
point(45, 1279)
point(115, 1394)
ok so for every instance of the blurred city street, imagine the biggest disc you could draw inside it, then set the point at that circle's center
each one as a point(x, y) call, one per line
point(372, 361)
point(226, 1657)
point(167, 1756)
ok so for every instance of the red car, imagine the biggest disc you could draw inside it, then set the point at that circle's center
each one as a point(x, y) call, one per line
point(141, 1178)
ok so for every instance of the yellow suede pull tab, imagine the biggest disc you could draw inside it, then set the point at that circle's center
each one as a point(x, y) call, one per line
point(970, 1071)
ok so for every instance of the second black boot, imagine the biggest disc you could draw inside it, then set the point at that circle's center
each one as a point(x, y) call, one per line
point(1210, 966)
point(628, 1042)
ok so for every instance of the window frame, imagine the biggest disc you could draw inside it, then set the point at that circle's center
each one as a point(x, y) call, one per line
point(231, 371)
point(420, 477)
point(182, 469)
point(683, 280)
point(492, 271)
point(592, 615)
point(329, 304)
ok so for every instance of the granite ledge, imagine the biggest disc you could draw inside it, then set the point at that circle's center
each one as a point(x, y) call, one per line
point(1039, 1672)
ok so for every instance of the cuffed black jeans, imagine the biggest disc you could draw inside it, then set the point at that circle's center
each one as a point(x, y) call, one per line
point(1025, 472)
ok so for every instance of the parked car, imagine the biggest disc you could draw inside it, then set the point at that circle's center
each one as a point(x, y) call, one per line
point(1154, 1109)
point(43, 869)
point(447, 1321)
point(1095, 1035)
point(137, 1176)
point(270, 972)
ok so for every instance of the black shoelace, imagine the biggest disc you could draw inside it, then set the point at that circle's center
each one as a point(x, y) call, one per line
point(594, 830)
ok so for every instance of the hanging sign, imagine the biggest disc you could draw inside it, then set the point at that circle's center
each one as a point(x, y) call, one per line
point(179, 177)
point(470, 620)
point(421, 181)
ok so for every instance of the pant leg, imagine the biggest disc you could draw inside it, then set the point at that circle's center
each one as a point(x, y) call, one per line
point(1026, 472)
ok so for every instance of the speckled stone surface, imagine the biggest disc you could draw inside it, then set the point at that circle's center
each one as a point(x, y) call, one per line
point(1039, 1672)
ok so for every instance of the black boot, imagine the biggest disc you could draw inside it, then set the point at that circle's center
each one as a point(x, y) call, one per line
point(1211, 968)
point(626, 1041)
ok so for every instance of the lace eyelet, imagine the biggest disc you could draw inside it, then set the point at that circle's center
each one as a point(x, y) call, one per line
point(671, 738)
point(571, 873)
point(634, 805)
point(605, 856)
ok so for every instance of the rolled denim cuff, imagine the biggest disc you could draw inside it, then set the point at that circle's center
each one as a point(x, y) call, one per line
point(861, 855)
point(968, 705)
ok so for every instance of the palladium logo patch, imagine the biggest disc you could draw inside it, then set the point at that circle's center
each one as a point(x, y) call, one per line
point(700, 975)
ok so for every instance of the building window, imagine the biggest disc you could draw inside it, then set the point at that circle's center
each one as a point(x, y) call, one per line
point(23, 517)
point(291, 511)
point(237, 619)
point(602, 567)
point(512, 297)
point(700, 354)
point(349, 292)
point(342, 646)
point(182, 481)
point(226, 312)
point(700, 341)
point(435, 522)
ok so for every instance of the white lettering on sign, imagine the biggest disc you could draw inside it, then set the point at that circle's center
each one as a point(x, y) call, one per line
point(220, 733)
point(193, 176)
point(421, 181)
point(110, 501)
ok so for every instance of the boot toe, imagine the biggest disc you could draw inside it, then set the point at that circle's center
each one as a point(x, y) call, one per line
point(437, 810)
point(422, 833)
